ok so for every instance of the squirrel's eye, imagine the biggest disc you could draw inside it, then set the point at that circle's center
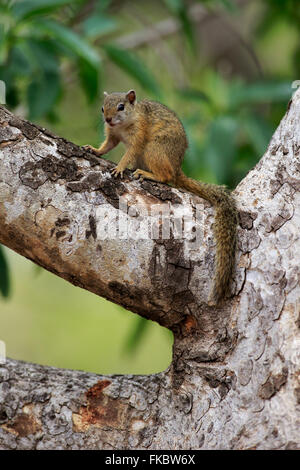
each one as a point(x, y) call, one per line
point(102, 109)
point(120, 107)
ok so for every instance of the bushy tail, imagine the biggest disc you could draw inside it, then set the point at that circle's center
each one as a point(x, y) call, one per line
point(224, 231)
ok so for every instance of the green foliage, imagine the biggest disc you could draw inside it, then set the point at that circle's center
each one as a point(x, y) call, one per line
point(236, 127)
point(73, 43)
point(220, 147)
point(260, 92)
point(42, 92)
point(34, 43)
point(179, 8)
point(30, 8)
point(99, 23)
point(128, 62)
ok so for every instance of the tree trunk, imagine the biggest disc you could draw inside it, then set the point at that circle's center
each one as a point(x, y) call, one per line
point(234, 378)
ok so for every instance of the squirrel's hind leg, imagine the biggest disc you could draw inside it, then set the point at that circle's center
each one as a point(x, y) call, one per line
point(156, 165)
point(161, 178)
point(142, 174)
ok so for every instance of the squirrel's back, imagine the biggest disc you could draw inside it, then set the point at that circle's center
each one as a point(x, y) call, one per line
point(163, 127)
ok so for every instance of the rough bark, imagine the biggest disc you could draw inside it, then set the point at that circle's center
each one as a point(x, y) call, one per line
point(234, 379)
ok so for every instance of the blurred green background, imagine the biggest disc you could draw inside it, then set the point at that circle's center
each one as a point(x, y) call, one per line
point(225, 66)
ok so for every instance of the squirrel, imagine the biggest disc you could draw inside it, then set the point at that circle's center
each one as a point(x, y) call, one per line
point(156, 142)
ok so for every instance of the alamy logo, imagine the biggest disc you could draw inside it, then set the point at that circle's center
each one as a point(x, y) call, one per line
point(157, 221)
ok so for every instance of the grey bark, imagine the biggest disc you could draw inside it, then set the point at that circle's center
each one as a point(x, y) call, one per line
point(234, 378)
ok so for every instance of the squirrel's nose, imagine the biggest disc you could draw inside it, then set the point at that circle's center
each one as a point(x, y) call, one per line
point(108, 120)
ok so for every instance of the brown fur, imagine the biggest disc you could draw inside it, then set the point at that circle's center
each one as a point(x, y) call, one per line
point(156, 142)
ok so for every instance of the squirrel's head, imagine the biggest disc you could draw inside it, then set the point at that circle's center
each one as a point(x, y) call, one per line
point(118, 108)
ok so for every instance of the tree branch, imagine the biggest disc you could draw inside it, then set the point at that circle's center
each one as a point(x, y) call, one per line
point(57, 200)
point(235, 369)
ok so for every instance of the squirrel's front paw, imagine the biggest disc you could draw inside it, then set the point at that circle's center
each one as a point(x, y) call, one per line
point(92, 149)
point(88, 147)
point(118, 170)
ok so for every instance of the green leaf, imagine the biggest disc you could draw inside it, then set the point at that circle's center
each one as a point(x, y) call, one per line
point(29, 8)
point(193, 94)
point(4, 275)
point(191, 163)
point(43, 54)
point(229, 6)
point(98, 25)
point(135, 336)
point(71, 40)
point(4, 8)
point(42, 94)
point(134, 67)
point(188, 28)
point(220, 148)
point(89, 77)
point(259, 132)
point(19, 62)
point(174, 5)
point(180, 9)
point(260, 92)
point(4, 46)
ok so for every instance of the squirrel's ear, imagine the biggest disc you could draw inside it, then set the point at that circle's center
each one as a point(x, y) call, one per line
point(105, 93)
point(131, 96)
